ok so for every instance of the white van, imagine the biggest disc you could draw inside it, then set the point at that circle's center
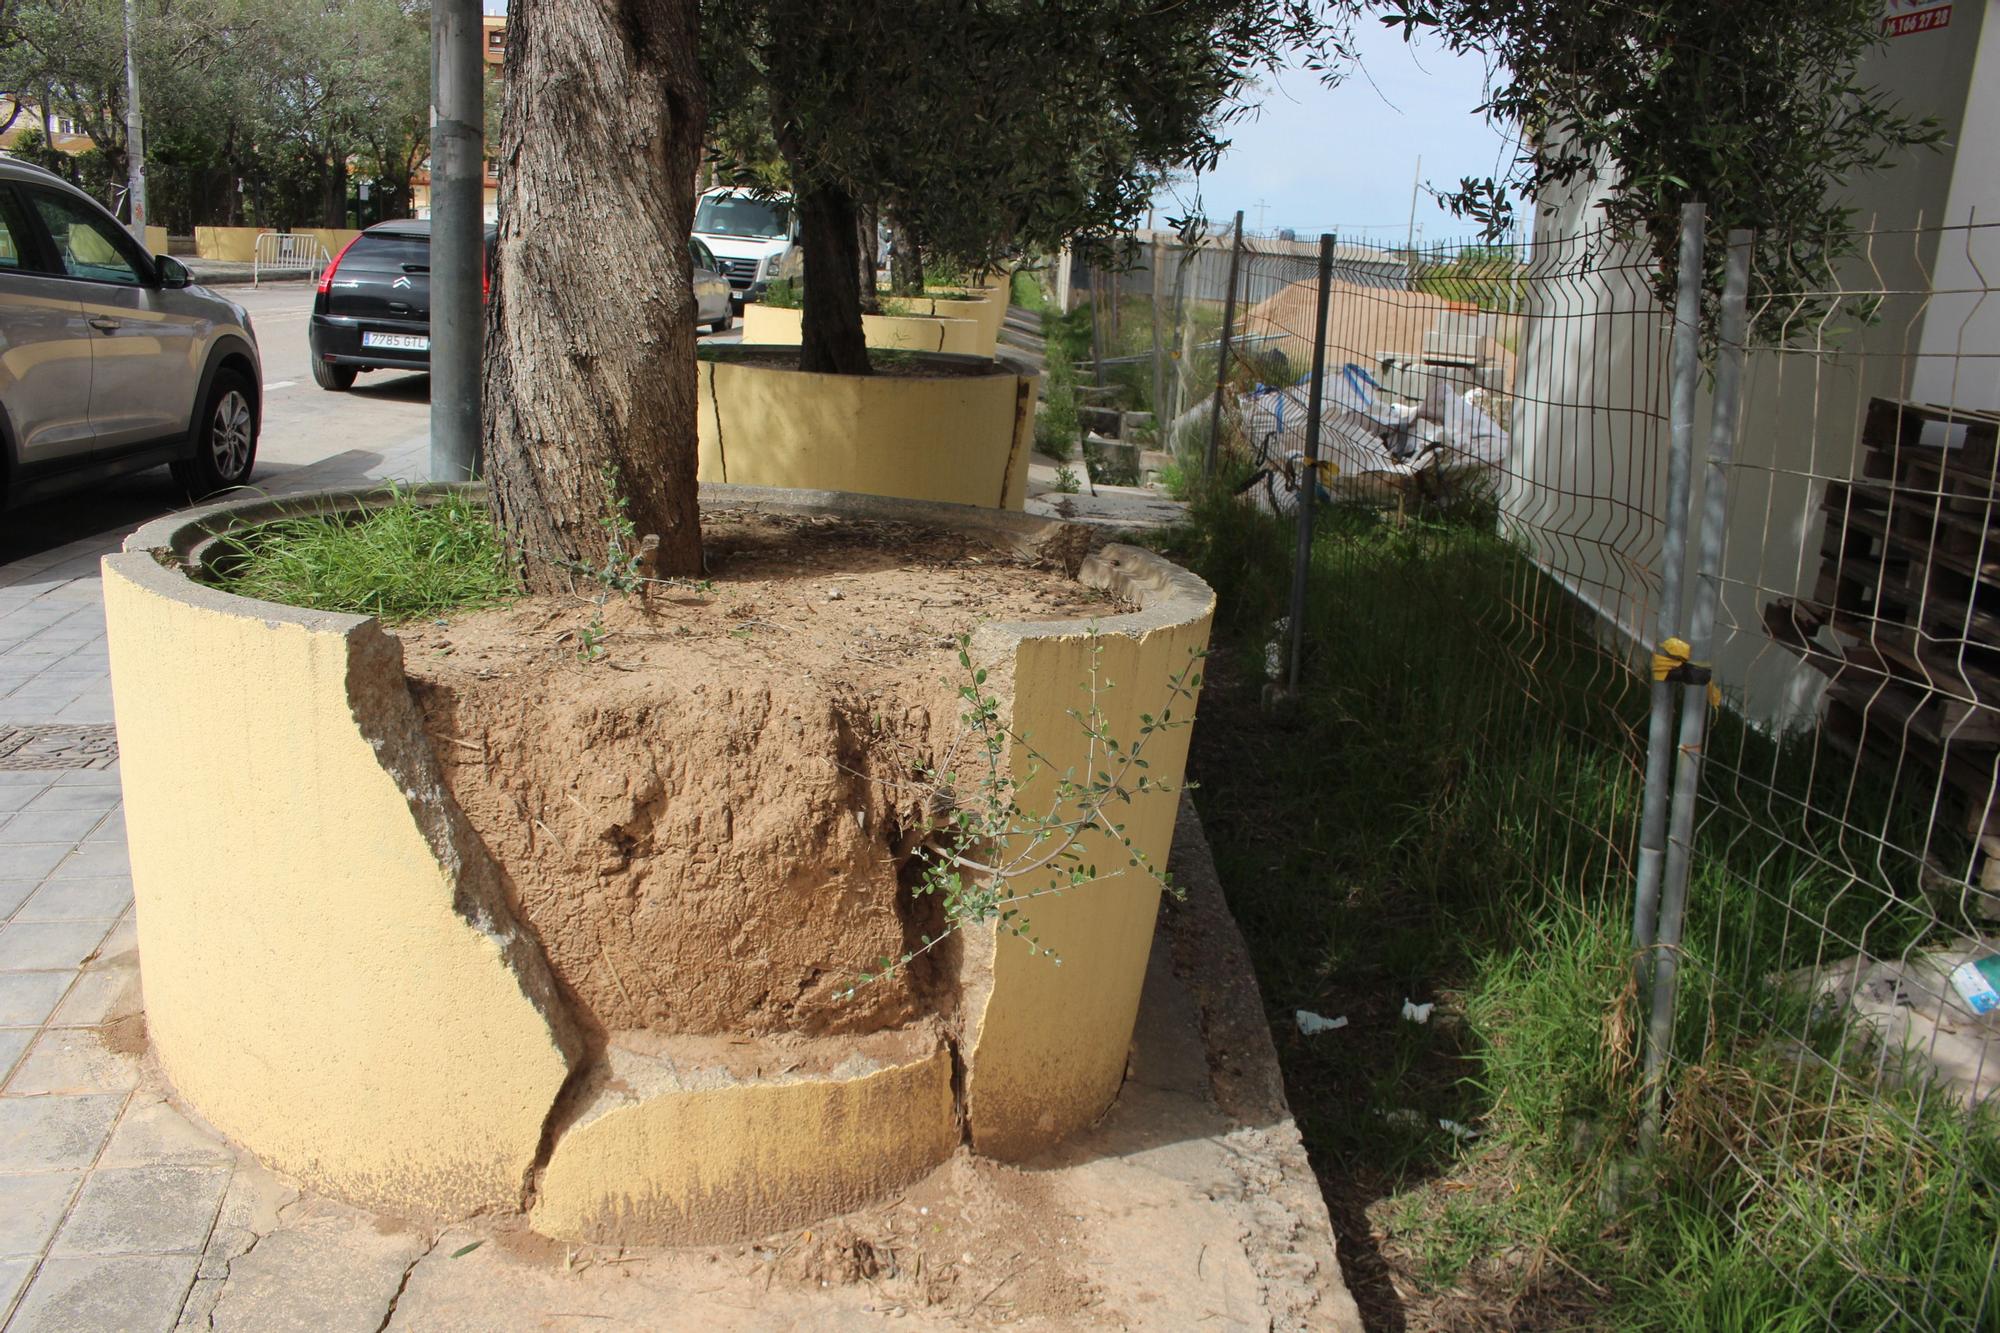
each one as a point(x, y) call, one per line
point(755, 241)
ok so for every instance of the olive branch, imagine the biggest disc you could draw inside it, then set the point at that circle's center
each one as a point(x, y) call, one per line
point(985, 855)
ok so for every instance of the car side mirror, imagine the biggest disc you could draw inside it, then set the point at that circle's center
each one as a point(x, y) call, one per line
point(173, 273)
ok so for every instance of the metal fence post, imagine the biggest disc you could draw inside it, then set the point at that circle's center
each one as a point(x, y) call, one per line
point(458, 245)
point(1310, 499)
point(1673, 560)
point(1222, 353)
point(1694, 697)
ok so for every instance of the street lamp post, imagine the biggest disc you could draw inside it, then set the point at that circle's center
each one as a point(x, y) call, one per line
point(135, 132)
point(458, 257)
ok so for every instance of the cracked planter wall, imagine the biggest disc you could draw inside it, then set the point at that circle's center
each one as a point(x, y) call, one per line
point(989, 312)
point(958, 439)
point(333, 976)
point(946, 331)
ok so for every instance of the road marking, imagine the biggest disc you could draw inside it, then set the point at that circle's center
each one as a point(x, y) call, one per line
point(278, 384)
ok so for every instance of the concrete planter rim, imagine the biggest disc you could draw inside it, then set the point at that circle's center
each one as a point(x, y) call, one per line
point(733, 354)
point(179, 544)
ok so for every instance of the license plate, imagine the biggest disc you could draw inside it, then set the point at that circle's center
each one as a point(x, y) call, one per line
point(402, 342)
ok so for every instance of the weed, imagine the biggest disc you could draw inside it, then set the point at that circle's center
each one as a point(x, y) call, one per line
point(986, 855)
point(405, 560)
point(1067, 482)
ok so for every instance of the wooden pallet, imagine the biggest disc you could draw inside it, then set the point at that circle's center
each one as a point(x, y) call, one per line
point(1904, 618)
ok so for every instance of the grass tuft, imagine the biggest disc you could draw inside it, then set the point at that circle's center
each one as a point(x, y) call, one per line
point(409, 560)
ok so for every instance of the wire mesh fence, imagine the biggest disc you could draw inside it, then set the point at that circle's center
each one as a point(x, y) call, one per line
point(1770, 599)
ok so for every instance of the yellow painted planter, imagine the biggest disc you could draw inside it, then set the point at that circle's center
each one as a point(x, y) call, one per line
point(238, 245)
point(959, 439)
point(334, 977)
point(779, 327)
point(987, 312)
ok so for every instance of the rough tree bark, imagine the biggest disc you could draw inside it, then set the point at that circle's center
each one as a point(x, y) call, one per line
point(867, 223)
point(906, 262)
point(590, 377)
point(830, 339)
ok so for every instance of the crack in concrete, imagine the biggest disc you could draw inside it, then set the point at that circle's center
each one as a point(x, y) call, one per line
point(404, 1285)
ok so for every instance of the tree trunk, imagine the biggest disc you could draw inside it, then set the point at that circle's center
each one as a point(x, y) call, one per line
point(333, 191)
point(866, 227)
point(590, 374)
point(831, 341)
point(906, 262)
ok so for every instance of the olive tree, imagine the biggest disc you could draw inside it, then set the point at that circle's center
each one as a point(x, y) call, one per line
point(979, 125)
point(1756, 109)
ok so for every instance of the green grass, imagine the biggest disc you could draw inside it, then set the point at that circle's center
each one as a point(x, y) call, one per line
point(1449, 813)
point(407, 561)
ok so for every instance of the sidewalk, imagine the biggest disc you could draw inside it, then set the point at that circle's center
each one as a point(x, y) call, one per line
point(115, 1211)
point(1191, 1205)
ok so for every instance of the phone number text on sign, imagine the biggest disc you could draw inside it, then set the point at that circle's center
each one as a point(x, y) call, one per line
point(1922, 20)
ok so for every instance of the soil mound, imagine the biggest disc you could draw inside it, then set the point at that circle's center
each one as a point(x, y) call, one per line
point(705, 800)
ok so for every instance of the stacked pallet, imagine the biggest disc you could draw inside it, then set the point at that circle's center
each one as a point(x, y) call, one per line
point(1905, 618)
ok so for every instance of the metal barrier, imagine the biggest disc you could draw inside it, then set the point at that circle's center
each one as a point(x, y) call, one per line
point(290, 252)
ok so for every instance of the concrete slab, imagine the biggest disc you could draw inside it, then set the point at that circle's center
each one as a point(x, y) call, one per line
point(333, 1271)
point(95, 1294)
point(144, 1210)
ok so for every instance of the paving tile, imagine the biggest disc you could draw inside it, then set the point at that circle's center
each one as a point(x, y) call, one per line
point(336, 1273)
point(87, 710)
point(154, 1132)
point(15, 795)
point(55, 1133)
point(45, 946)
point(13, 1277)
point(144, 1210)
point(101, 992)
point(123, 939)
point(88, 1294)
point(89, 777)
point(31, 860)
point(14, 892)
point(13, 1041)
point(31, 1207)
point(66, 1061)
point(78, 900)
point(64, 796)
point(111, 830)
point(28, 998)
point(101, 861)
point(70, 826)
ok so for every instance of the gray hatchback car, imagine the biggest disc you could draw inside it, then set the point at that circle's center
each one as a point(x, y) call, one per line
point(110, 359)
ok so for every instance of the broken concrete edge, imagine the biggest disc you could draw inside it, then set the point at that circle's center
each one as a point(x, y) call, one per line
point(1212, 959)
point(1028, 1103)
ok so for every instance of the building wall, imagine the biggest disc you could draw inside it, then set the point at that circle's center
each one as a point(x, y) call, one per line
point(1588, 483)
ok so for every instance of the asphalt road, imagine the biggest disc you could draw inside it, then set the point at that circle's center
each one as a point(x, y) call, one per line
point(303, 424)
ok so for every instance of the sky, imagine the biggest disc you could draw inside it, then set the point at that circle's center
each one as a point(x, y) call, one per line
point(1343, 159)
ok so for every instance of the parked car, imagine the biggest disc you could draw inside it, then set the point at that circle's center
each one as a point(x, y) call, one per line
point(712, 305)
point(111, 359)
point(373, 307)
point(756, 240)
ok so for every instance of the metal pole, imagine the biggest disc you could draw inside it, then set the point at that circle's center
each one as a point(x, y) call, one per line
point(1222, 353)
point(458, 225)
point(1159, 355)
point(1694, 697)
point(1673, 560)
point(1311, 498)
point(135, 129)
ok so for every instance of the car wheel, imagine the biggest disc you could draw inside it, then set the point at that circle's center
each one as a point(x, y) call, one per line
point(723, 325)
point(329, 376)
point(226, 449)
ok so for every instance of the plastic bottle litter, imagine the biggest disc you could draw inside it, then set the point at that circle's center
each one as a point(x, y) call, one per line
point(1312, 1024)
point(1417, 1013)
point(1978, 980)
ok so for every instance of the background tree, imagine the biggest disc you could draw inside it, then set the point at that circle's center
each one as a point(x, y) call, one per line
point(1755, 108)
point(979, 125)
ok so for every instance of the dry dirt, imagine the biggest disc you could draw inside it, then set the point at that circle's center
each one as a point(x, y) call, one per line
point(709, 823)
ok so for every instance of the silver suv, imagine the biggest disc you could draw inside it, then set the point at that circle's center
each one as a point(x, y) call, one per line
point(110, 360)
